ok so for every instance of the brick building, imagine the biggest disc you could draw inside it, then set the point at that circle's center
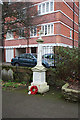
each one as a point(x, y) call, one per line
point(57, 20)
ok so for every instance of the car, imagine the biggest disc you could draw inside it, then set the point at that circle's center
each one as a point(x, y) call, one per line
point(50, 58)
point(27, 59)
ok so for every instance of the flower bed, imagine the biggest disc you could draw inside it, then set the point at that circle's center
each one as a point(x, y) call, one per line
point(71, 93)
point(11, 85)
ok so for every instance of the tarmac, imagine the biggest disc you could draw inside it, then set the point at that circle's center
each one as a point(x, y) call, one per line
point(16, 104)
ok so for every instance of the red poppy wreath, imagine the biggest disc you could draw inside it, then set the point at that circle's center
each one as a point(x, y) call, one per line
point(34, 90)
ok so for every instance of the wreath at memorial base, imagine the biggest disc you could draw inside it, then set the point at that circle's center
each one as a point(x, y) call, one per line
point(34, 90)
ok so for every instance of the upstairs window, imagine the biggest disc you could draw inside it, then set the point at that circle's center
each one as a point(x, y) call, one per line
point(46, 7)
point(51, 6)
point(33, 31)
point(39, 9)
point(51, 28)
point(21, 33)
point(47, 29)
point(43, 7)
point(19, 14)
point(24, 13)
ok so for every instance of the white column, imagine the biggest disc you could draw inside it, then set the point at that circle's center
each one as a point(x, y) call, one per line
point(39, 55)
point(39, 71)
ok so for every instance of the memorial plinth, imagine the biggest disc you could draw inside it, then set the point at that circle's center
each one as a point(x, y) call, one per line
point(39, 71)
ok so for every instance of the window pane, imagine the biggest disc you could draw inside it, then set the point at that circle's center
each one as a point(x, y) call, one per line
point(34, 31)
point(48, 29)
point(24, 13)
point(52, 29)
point(22, 33)
point(31, 31)
point(47, 7)
point(39, 9)
point(45, 29)
point(51, 6)
point(43, 8)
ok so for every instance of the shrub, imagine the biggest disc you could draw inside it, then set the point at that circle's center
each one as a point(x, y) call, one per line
point(67, 66)
point(53, 79)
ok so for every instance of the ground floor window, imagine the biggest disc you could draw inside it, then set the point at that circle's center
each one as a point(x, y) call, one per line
point(34, 51)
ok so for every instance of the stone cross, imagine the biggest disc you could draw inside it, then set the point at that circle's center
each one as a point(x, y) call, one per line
point(39, 71)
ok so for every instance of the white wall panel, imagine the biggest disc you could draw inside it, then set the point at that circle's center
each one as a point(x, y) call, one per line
point(9, 55)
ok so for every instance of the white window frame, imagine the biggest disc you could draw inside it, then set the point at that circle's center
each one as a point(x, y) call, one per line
point(49, 11)
point(43, 8)
point(50, 6)
point(21, 37)
point(39, 10)
point(48, 33)
point(32, 35)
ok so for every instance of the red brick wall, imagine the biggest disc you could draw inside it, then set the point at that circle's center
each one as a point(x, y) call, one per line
point(47, 39)
point(64, 8)
point(67, 21)
point(60, 39)
point(65, 30)
point(54, 17)
point(58, 28)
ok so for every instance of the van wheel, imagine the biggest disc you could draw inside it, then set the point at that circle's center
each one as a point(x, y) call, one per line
point(16, 64)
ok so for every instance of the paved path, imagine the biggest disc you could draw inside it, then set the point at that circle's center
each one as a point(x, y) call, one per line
point(21, 105)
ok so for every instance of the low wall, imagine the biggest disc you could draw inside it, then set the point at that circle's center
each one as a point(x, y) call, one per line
point(20, 74)
point(17, 74)
point(70, 94)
